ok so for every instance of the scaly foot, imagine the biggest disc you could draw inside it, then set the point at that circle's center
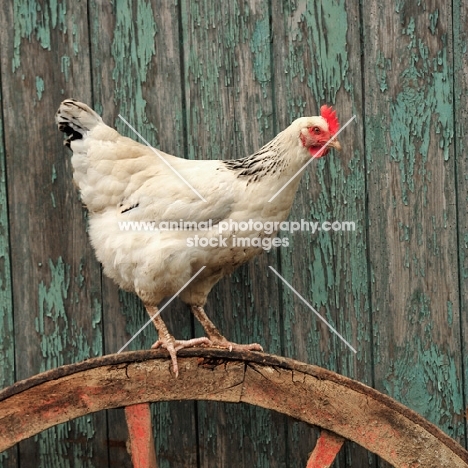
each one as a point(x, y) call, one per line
point(167, 341)
point(172, 345)
point(216, 338)
point(225, 344)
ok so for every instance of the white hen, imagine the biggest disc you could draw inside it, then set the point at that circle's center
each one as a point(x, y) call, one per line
point(123, 181)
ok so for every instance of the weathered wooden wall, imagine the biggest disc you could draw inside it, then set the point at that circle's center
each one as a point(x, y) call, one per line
point(217, 80)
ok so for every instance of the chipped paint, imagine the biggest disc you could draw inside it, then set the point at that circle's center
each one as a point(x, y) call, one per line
point(39, 87)
point(414, 109)
point(34, 22)
point(325, 76)
point(231, 82)
point(7, 351)
point(65, 66)
point(132, 49)
point(381, 66)
point(433, 19)
point(54, 173)
point(422, 371)
point(7, 332)
point(259, 45)
point(52, 322)
point(411, 171)
point(318, 52)
point(64, 341)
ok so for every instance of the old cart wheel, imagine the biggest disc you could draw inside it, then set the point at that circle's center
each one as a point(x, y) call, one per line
point(341, 407)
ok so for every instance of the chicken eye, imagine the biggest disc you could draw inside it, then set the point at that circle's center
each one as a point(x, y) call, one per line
point(316, 130)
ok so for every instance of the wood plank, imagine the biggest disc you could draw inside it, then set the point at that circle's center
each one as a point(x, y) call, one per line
point(227, 100)
point(136, 53)
point(56, 281)
point(326, 450)
point(317, 61)
point(141, 441)
point(230, 115)
point(8, 459)
point(412, 225)
point(460, 35)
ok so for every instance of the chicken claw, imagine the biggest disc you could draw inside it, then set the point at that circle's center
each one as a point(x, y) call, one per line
point(167, 341)
point(225, 344)
point(216, 338)
point(172, 345)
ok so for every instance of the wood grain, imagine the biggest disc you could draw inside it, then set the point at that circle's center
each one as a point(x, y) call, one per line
point(317, 396)
point(412, 228)
point(317, 62)
point(460, 36)
point(218, 80)
point(55, 277)
point(7, 342)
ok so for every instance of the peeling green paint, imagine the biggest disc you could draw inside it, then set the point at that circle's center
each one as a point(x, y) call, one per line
point(326, 273)
point(381, 66)
point(335, 265)
point(7, 333)
point(34, 20)
point(318, 55)
point(64, 341)
point(421, 371)
point(425, 101)
point(259, 45)
point(7, 351)
point(450, 313)
point(433, 19)
point(39, 87)
point(425, 374)
point(80, 279)
point(76, 36)
point(65, 66)
point(53, 323)
point(232, 73)
point(132, 48)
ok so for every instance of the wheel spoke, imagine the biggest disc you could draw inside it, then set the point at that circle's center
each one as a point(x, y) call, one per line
point(141, 439)
point(326, 450)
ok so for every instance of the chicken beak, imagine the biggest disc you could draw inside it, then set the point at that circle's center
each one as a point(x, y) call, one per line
point(335, 144)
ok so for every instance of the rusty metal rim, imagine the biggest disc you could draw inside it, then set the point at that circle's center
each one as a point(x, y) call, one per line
point(248, 358)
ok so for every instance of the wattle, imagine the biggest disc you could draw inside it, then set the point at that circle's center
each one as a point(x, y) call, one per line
point(315, 150)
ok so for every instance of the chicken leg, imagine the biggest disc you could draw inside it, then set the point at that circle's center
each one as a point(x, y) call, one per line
point(167, 341)
point(215, 336)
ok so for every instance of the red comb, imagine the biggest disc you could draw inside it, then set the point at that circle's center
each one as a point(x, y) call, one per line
point(329, 114)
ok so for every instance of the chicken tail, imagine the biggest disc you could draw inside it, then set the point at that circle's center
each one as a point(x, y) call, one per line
point(75, 119)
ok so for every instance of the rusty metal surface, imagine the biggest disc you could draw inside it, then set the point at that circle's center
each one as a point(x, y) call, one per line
point(305, 392)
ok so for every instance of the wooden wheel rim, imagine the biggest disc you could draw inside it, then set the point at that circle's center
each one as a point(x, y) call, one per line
point(305, 392)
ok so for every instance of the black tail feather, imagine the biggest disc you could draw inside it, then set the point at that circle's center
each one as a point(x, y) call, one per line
point(75, 119)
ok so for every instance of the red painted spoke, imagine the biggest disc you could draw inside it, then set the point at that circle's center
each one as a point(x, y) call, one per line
point(326, 450)
point(141, 439)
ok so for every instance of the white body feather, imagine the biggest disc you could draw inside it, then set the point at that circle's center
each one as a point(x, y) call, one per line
point(122, 180)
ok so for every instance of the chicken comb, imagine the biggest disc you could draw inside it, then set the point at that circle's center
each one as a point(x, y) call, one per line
point(329, 114)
